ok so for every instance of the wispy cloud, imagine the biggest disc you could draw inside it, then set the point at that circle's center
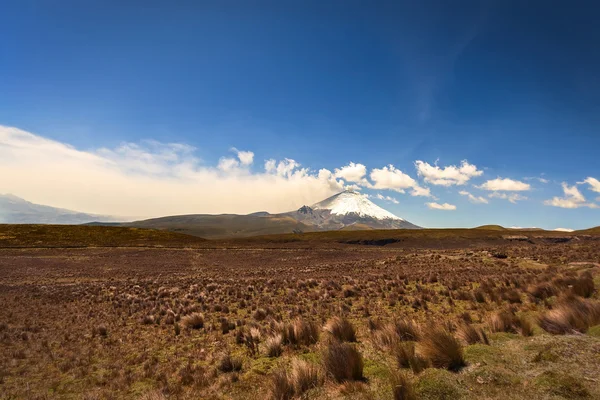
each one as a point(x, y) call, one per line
point(387, 198)
point(511, 197)
point(474, 199)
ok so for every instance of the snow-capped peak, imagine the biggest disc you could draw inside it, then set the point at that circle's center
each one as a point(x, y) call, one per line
point(349, 201)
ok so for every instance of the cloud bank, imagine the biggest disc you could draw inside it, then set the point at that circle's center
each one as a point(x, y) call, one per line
point(152, 179)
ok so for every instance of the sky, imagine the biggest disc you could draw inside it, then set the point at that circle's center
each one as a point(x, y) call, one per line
point(448, 114)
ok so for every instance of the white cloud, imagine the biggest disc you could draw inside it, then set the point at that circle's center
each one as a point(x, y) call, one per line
point(472, 198)
point(572, 198)
point(228, 164)
point(512, 197)
point(352, 173)
point(391, 178)
point(447, 176)
point(506, 184)
point(151, 179)
point(245, 157)
point(387, 198)
point(594, 184)
point(563, 230)
point(445, 206)
point(420, 191)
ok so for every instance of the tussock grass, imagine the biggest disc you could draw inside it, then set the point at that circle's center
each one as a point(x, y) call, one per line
point(402, 388)
point(301, 377)
point(193, 321)
point(342, 362)
point(442, 350)
point(468, 334)
point(340, 329)
point(573, 314)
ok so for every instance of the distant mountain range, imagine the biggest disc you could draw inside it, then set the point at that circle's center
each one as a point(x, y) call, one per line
point(15, 210)
point(348, 210)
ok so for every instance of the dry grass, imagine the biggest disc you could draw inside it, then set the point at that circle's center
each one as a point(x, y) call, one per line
point(301, 378)
point(341, 329)
point(117, 323)
point(442, 350)
point(342, 362)
point(471, 335)
point(193, 321)
point(402, 388)
point(572, 315)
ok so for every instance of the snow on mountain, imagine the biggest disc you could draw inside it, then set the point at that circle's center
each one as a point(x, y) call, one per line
point(351, 202)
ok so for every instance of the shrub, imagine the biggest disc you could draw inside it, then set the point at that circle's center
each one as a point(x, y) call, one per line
point(401, 387)
point(442, 350)
point(342, 362)
point(193, 321)
point(341, 329)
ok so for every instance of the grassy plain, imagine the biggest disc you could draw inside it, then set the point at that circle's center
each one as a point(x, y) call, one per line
point(116, 313)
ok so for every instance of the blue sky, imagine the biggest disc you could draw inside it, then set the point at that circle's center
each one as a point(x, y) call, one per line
point(513, 88)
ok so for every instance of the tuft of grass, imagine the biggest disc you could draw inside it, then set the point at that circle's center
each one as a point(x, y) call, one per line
point(305, 332)
point(227, 363)
point(193, 321)
point(442, 350)
point(402, 388)
point(280, 386)
point(302, 377)
point(342, 362)
point(273, 346)
point(572, 314)
point(502, 321)
point(341, 329)
point(471, 335)
point(407, 329)
point(407, 358)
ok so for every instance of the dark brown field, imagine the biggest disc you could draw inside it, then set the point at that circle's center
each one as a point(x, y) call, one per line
point(98, 312)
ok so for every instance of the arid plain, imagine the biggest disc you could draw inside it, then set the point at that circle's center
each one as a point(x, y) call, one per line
point(119, 313)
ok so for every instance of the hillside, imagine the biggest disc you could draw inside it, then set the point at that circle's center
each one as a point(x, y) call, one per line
point(347, 210)
point(15, 210)
point(89, 236)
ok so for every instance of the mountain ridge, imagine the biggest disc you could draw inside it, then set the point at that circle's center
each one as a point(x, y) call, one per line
point(16, 210)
